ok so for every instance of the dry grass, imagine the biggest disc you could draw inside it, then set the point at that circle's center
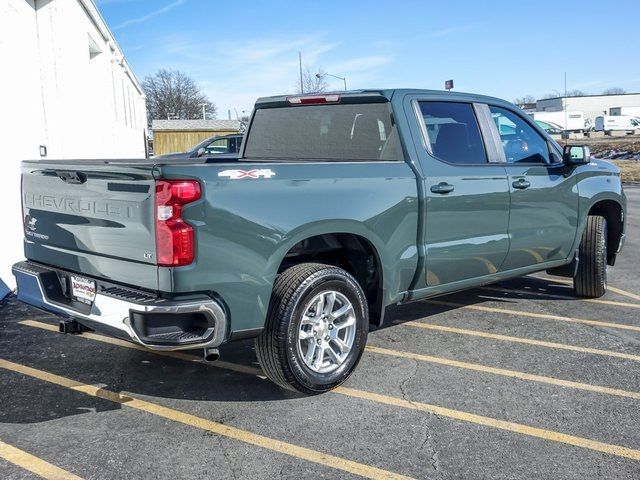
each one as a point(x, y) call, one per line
point(601, 147)
point(630, 170)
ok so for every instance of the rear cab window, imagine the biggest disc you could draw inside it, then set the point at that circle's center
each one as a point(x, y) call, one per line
point(331, 132)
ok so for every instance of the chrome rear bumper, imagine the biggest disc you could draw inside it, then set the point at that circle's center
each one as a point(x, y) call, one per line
point(123, 314)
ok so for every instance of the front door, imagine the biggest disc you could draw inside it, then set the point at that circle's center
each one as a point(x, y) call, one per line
point(544, 202)
point(467, 209)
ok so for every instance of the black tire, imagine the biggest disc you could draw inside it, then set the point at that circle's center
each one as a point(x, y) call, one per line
point(591, 277)
point(277, 346)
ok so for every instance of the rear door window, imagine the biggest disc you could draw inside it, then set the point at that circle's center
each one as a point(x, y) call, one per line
point(343, 132)
point(453, 132)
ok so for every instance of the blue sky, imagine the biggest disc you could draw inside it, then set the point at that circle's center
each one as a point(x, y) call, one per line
point(238, 51)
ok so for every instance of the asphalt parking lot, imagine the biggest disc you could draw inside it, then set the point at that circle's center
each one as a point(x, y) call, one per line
point(517, 380)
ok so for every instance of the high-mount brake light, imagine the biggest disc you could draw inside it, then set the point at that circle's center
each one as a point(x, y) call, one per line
point(175, 239)
point(313, 99)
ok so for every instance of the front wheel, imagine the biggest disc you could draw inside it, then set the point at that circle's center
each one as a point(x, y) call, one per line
point(590, 280)
point(316, 328)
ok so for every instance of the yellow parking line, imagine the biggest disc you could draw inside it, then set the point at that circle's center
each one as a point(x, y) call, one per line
point(617, 290)
point(562, 297)
point(121, 343)
point(245, 436)
point(545, 316)
point(527, 341)
point(487, 421)
point(396, 353)
point(495, 423)
point(624, 293)
point(34, 464)
point(505, 373)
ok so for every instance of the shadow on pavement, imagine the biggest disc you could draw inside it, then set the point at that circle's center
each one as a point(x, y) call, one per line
point(529, 288)
point(28, 400)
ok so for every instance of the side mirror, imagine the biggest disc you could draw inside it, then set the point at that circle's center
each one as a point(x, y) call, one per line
point(576, 155)
point(201, 151)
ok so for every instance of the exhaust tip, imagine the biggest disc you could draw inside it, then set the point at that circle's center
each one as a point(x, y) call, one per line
point(211, 354)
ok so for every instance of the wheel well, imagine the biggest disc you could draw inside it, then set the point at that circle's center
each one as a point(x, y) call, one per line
point(612, 212)
point(353, 253)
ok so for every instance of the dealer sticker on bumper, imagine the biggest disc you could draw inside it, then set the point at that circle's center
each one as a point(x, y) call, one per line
point(83, 289)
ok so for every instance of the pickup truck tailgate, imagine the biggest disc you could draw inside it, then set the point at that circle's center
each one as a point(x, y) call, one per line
point(95, 218)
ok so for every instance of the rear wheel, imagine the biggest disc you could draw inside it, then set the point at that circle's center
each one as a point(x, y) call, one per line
point(316, 328)
point(590, 280)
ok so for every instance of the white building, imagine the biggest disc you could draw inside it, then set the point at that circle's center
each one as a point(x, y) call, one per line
point(66, 92)
point(590, 105)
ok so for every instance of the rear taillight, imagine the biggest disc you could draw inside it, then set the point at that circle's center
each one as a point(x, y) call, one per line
point(175, 240)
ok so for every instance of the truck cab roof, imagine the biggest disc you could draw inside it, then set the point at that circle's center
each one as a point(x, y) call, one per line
point(378, 95)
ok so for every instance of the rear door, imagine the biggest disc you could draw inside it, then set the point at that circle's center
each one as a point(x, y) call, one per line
point(467, 210)
point(544, 202)
point(97, 219)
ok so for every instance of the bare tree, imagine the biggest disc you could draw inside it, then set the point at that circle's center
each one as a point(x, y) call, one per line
point(244, 122)
point(525, 99)
point(614, 91)
point(570, 93)
point(312, 82)
point(173, 94)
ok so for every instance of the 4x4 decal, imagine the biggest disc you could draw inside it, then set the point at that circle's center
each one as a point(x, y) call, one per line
point(238, 174)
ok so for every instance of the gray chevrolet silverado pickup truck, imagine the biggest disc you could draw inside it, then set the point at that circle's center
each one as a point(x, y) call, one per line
point(337, 206)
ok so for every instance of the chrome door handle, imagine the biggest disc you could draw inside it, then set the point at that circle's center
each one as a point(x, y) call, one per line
point(442, 188)
point(521, 184)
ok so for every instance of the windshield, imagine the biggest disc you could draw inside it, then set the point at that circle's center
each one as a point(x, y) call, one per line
point(347, 132)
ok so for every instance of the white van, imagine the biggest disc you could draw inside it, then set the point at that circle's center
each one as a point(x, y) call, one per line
point(573, 121)
point(608, 123)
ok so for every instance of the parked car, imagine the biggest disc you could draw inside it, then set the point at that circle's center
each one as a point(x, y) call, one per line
point(225, 144)
point(549, 127)
point(507, 127)
point(624, 123)
point(571, 121)
point(337, 206)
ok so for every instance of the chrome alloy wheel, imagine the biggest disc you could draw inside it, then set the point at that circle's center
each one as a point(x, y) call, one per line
point(327, 331)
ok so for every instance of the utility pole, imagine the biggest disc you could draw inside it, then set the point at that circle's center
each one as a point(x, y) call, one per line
point(204, 110)
point(564, 103)
point(300, 62)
